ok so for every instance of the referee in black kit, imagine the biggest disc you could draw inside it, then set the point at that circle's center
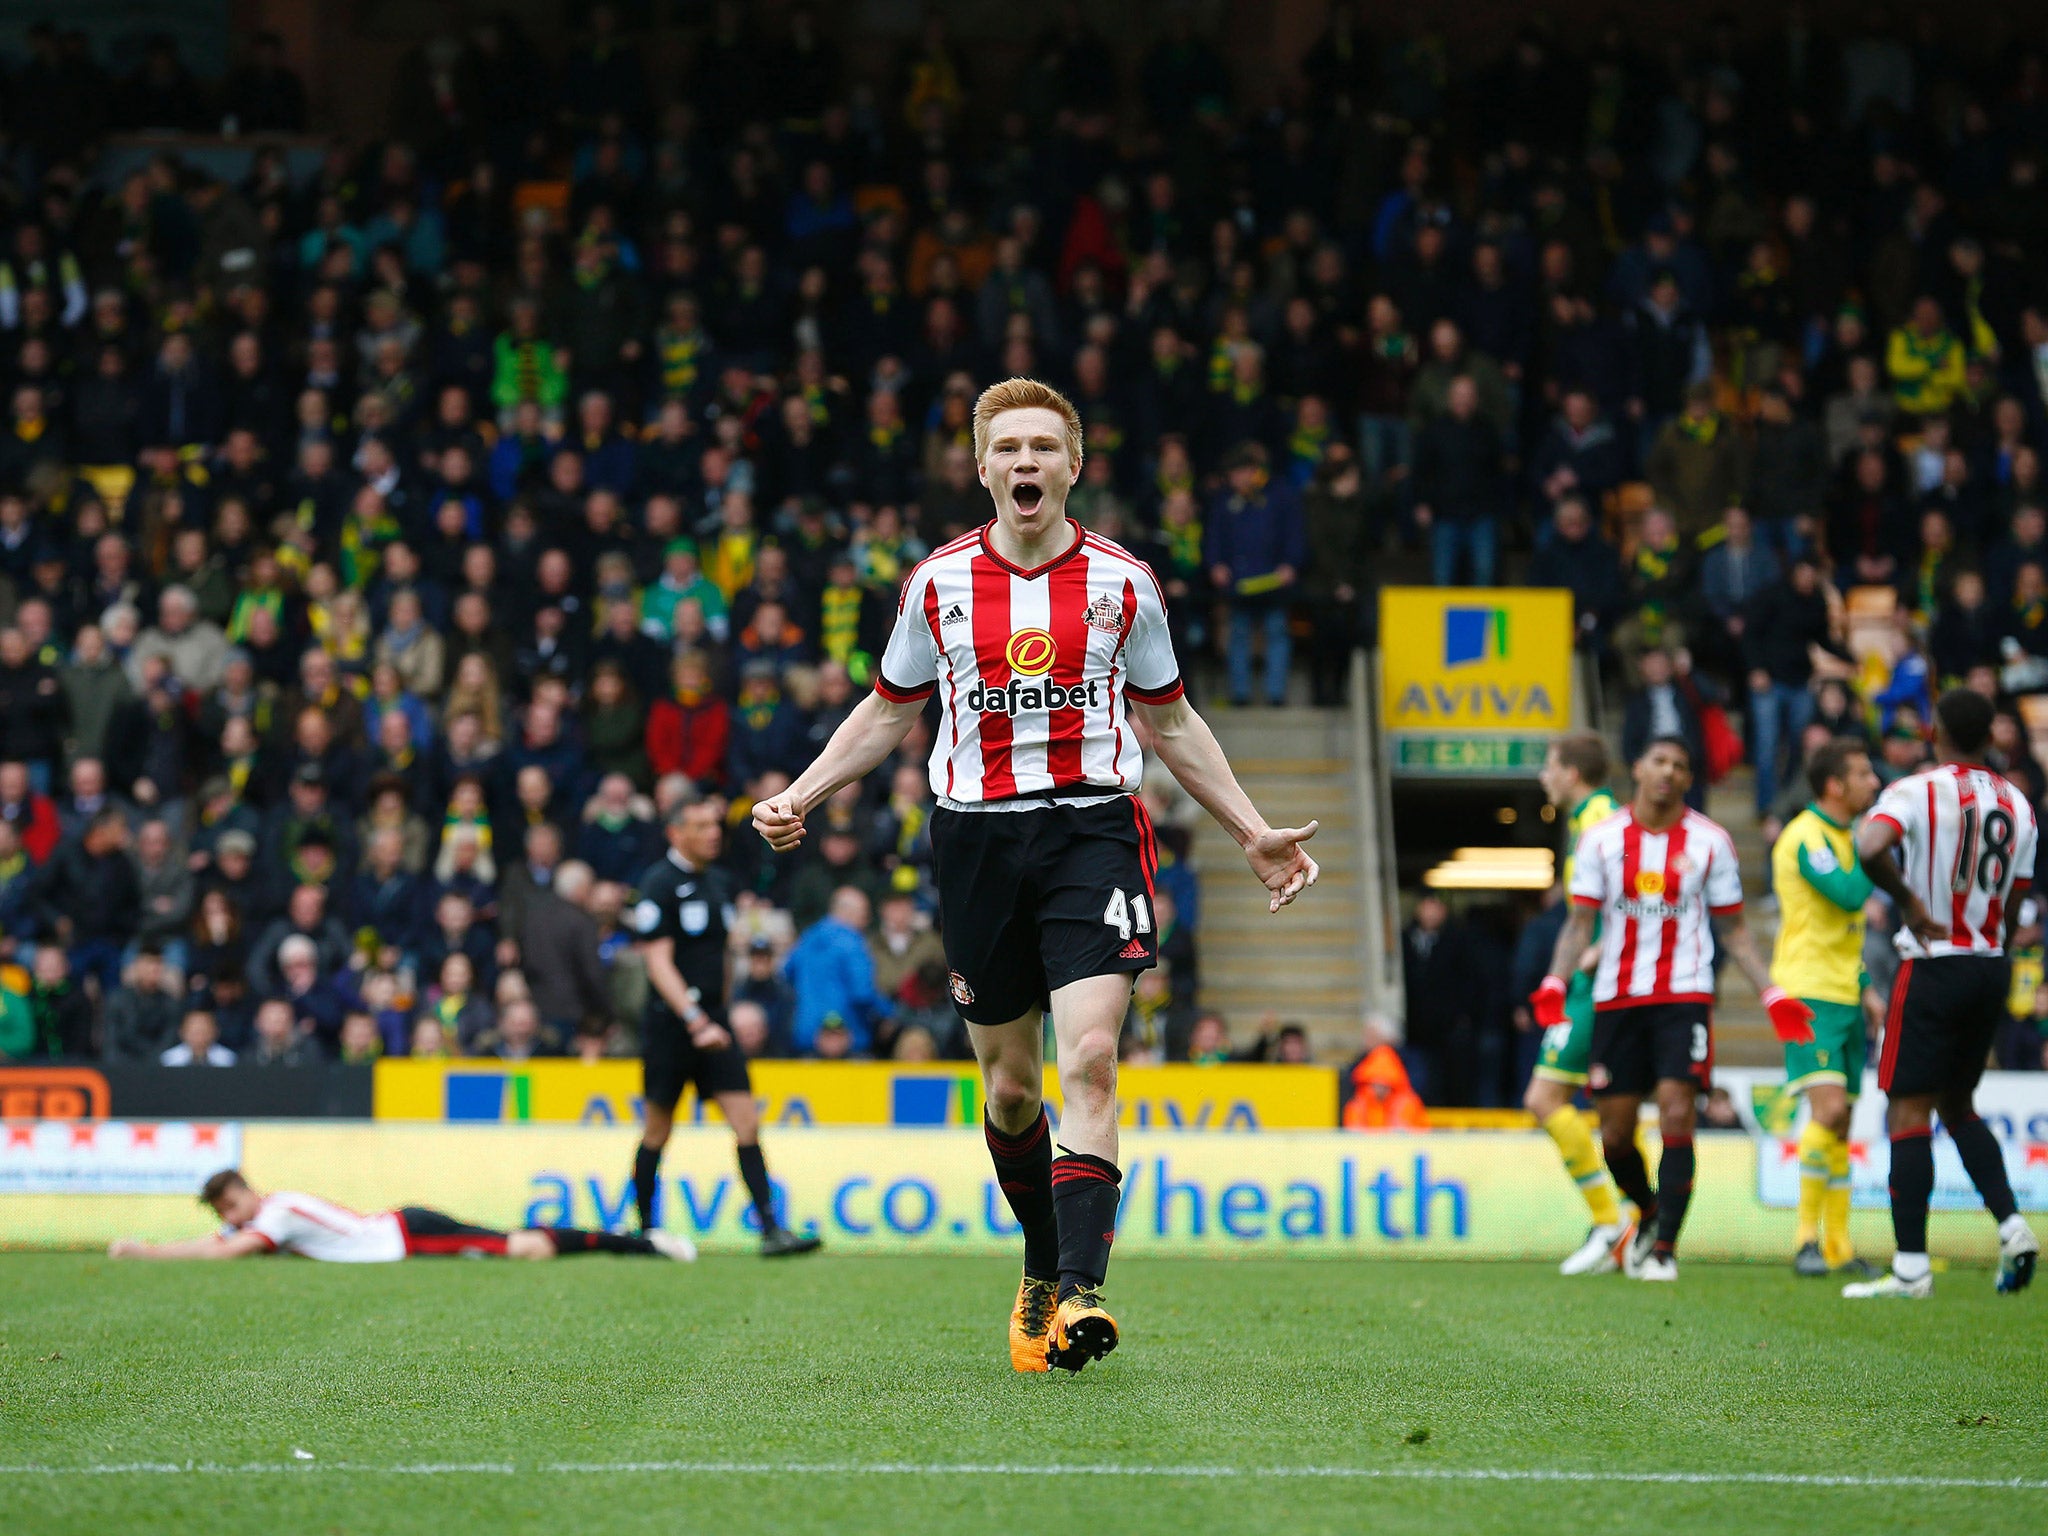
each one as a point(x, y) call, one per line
point(681, 918)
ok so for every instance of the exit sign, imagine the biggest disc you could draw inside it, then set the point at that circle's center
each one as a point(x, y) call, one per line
point(1453, 755)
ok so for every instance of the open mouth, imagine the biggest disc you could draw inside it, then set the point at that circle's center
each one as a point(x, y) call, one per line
point(1027, 496)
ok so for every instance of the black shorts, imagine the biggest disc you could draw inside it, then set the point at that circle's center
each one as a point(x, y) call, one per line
point(1939, 1027)
point(669, 1059)
point(1032, 900)
point(1634, 1049)
point(433, 1234)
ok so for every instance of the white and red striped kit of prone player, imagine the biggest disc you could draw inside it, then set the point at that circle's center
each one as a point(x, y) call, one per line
point(1656, 892)
point(1033, 668)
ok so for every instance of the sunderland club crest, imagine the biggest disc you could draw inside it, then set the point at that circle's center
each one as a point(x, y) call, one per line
point(1105, 614)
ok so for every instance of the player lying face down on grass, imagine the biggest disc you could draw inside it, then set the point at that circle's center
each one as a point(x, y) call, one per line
point(1654, 875)
point(1047, 648)
point(253, 1223)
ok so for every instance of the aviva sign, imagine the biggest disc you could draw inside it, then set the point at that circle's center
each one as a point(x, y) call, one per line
point(1459, 663)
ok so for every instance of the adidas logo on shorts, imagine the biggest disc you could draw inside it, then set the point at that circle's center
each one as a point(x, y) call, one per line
point(1135, 950)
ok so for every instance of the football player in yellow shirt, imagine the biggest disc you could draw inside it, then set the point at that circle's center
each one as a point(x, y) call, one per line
point(1574, 776)
point(1821, 888)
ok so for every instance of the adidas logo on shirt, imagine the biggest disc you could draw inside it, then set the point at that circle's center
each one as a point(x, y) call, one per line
point(953, 615)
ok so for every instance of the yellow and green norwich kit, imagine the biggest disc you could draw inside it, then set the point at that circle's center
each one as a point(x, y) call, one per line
point(1821, 888)
point(1568, 1047)
point(1589, 812)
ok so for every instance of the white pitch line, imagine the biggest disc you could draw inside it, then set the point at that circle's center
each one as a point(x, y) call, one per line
point(1007, 1469)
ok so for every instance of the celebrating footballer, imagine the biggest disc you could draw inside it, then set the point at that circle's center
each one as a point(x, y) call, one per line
point(1047, 646)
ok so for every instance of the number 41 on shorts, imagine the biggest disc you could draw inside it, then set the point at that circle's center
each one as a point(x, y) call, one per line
point(1128, 915)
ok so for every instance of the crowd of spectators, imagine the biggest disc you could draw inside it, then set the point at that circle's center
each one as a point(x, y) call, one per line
point(384, 549)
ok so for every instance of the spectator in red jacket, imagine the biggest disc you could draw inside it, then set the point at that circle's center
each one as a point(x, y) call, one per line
point(33, 816)
point(687, 732)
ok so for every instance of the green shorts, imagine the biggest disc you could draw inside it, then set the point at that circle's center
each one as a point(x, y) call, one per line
point(1568, 1047)
point(1834, 1055)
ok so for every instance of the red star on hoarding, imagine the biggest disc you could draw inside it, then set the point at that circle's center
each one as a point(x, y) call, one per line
point(1788, 1151)
point(83, 1135)
point(205, 1136)
point(142, 1135)
point(1859, 1151)
point(21, 1136)
point(2037, 1152)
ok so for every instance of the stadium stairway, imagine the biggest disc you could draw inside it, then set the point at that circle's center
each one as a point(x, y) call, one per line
point(1742, 1033)
point(1304, 965)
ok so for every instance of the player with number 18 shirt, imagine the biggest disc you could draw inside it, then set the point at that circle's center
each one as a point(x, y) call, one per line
point(1965, 841)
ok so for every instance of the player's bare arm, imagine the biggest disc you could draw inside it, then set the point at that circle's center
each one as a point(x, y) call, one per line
point(1875, 840)
point(1740, 943)
point(236, 1245)
point(1573, 940)
point(874, 729)
point(1572, 951)
point(1187, 746)
point(1790, 1018)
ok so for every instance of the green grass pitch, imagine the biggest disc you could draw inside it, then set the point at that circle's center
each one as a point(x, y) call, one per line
point(601, 1394)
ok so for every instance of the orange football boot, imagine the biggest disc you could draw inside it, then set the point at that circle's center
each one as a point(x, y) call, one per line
point(1030, 1319)
point(1081, 1331)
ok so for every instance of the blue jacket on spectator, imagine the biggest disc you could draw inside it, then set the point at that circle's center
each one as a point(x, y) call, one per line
point(1731, 578)
point(1256, 535)
point(620, 852)
point(391, 908)
point(767, 738)
point(833, 976)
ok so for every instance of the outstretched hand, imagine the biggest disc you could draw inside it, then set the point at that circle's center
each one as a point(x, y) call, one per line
point(1276, 857)
point(779, 821)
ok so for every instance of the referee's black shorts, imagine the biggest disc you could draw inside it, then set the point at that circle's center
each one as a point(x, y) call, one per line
point(670, 1060)
point(1944, 1014)
point(1030, 900)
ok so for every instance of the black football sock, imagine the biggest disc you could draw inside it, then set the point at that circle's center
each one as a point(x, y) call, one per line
point(1674, 1191)
point(570, 1241)
point(1632, 1176)
point(646, 1183)
point(754, 1169)
point(1912, 1187)
point(1084, 1193)
point(1024, 1172)
point(1985, 1164)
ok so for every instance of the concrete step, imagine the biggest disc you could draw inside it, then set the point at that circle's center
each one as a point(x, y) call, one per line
point(1331, 884)
point(1238, 993)
point(1295, 784)
point(1225, 927)
point(1302, 944)
point(1309, 982)
point(1303, 965)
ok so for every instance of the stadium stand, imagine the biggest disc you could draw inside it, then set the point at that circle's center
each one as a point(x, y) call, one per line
point(394, 518)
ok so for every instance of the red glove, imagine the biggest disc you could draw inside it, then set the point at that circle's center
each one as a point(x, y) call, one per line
point(1791, 1018)
point(1547, 1002)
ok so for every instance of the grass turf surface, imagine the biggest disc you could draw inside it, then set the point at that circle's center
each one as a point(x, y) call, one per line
point(1408, 1369)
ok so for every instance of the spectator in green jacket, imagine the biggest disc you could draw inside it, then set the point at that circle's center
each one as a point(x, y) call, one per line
point(527, 367)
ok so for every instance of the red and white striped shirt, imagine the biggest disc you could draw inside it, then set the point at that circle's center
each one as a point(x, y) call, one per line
point(1033, 668)
point(1656, 892)
point(1966, 841)
point(320, 1229)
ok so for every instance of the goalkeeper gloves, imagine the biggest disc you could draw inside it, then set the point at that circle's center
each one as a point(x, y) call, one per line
point(1547, 1002)
point(1791, 1018)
